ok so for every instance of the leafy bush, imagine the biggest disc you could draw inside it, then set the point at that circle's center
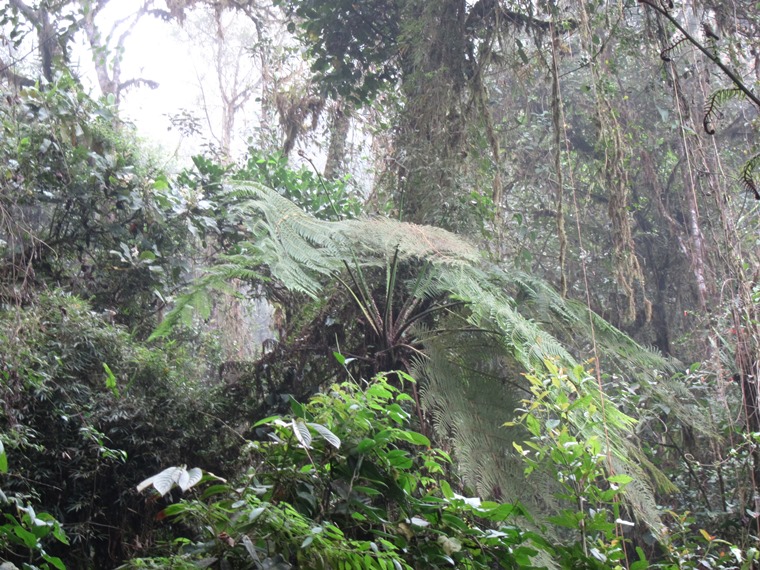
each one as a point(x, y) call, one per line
point(78, 433)
point(593, 483)
point(85, 207)
point(325, 199)
point(344, 483)
point(24, 532)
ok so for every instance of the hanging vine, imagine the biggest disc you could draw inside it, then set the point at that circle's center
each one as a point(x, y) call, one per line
point(557, 124)
point(627, 269)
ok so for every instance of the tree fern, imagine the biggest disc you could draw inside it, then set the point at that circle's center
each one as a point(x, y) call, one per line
point(513, 323)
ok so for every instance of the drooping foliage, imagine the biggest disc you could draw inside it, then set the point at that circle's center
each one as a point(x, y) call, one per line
point(608, 148)
point(462, 350)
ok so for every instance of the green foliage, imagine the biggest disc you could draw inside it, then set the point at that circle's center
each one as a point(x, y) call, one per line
point(714, 103)
point(747, 175)
point(225, 217)
point(24, 532)
point(77, 436)
point(598, 528)
point(324, 199)
point(521, 318)
point(345, 483)
point(353, 45)
point(84, 207)
point(583, 468)
point(694, 547)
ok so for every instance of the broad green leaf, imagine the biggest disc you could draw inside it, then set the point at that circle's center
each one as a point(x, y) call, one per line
point(498, 514)
point(265, 421)
point(378, 391)
point(60, 534)
point(174, 509)
point(55, 561)
point(27, 537)
point(620, 479)
point(642, 563)
point(399, 458)
point(214, 490)
point(413, 437)
point(369, 491)
point(532, 424)
point(297, 408)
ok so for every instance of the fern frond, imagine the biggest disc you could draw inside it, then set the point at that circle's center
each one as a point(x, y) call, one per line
point(505, 323)
point(747, 175)
point(715, 102)
point(194, 302)
point(674, 46)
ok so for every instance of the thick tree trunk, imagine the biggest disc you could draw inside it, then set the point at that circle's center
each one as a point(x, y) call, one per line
point(47, 35)
point(431, 137)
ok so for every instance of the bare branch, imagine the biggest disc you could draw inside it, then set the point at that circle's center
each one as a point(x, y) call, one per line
point(136, 82)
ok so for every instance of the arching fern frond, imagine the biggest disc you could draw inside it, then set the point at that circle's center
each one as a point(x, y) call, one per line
point(196, 302)
point(748, 175)
point(500, 322)
point(715, 102)
point(675, 45)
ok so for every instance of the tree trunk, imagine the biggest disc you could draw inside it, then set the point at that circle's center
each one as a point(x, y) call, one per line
point(431, 136)
point(340, 123)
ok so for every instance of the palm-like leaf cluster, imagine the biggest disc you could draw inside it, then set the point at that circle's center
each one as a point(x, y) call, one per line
point(494, 323)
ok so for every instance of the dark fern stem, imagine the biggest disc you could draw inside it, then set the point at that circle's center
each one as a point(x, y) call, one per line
point(666, 54)
point(747, 175)
point(715, 102)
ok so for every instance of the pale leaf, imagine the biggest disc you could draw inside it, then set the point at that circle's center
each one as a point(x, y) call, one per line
point(301, 430)
point(326, 434)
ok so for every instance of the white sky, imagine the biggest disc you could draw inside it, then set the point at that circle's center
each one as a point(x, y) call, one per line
point(160, 51)
point(154, 51)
